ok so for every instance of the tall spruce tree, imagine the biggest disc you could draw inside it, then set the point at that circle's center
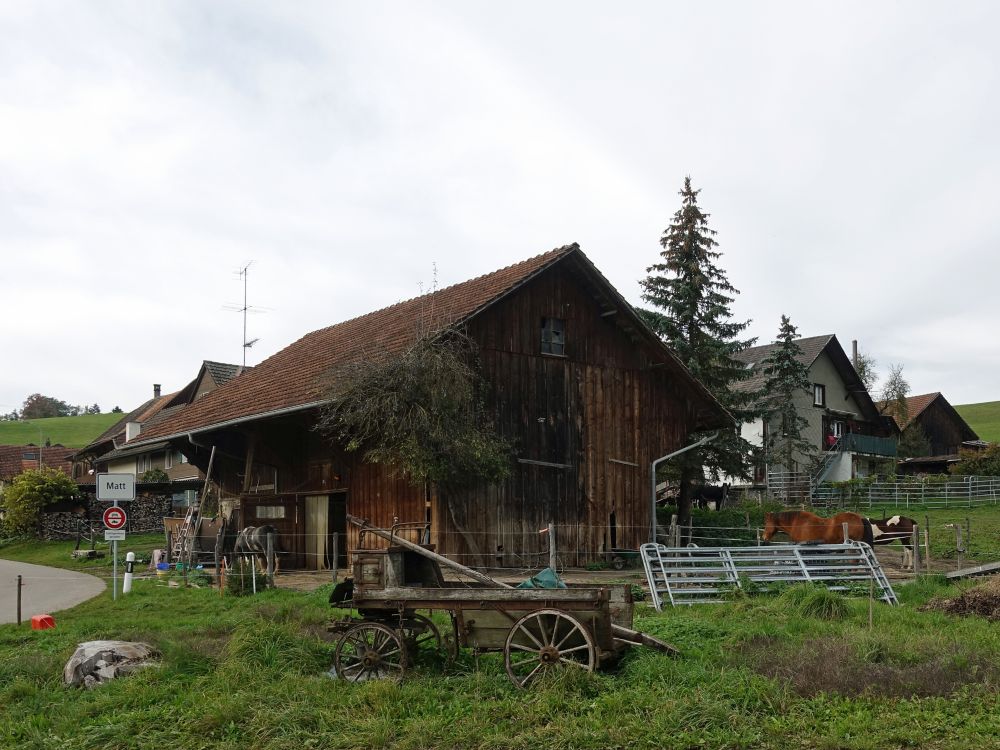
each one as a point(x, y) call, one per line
point(787, 381)
point(691, 297)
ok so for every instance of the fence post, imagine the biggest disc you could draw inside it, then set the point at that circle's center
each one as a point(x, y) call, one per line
point(927, 549)
point(20, 583)
point(674, 536)
point(915, 541)
point(270, 559)
point(552, 546)
point(847, 536)
point(968, 531)
point(958, 544)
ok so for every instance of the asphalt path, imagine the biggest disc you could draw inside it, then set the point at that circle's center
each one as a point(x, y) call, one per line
point(46, 590)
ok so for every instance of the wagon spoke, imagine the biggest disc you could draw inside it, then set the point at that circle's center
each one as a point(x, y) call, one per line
point(519, 647)
point(531, 635)
point(531, 674)
point(575, 648)
point(555, 629)
point(565, 638)
point(541, 626)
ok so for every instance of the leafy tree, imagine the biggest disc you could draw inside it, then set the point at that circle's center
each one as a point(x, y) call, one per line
point(893, 393)
point(914, 443)
point(867, 369)
point(154, 476)
point(116, 410)
point(787, 378)
point(420, 412)
point(29, 493)
point(691, 297)
point(984, 463)
point(37, 406)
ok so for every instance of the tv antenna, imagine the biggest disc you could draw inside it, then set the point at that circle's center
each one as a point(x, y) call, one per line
point(246, 308)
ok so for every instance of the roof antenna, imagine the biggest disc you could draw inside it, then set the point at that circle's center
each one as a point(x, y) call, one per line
point(243, 273)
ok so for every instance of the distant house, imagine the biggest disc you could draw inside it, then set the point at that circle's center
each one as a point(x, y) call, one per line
point(945, 430)
point(15, 459)
point(114, 451)
point(584, 390)
point(851, 438)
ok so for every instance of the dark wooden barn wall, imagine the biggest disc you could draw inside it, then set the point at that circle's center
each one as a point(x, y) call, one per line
point(945, 432)
point(599, 413)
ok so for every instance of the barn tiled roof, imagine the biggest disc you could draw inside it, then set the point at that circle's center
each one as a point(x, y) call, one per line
point(811, 348)
point(915, 405)
point(295, 377)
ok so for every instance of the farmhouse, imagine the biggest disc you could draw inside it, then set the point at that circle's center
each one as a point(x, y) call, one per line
point(848, 433)
point(586, 393)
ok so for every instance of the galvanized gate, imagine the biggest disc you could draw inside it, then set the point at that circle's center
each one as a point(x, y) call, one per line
point(698, 575)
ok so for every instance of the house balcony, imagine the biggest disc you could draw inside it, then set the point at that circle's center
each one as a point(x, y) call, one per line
point(868, 445)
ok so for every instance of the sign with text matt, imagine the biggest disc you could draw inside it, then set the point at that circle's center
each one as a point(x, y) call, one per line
point(116, 486)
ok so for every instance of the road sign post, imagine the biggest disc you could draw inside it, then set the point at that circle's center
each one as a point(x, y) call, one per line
point(115, 487)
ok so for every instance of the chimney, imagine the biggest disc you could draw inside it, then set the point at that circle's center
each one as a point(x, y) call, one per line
point(854, 359)
point(132, 429)
point(156, 386)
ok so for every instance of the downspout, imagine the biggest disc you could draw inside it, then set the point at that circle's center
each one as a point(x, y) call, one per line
point(652, 479)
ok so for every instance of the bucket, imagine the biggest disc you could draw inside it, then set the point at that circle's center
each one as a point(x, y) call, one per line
point(162, 570)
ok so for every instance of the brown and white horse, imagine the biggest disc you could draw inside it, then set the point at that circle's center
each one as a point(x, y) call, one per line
point(252, 542)
point(892, 529)
point(803, 526)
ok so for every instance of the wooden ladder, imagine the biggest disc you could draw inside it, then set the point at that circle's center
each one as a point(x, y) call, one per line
point(190, 518)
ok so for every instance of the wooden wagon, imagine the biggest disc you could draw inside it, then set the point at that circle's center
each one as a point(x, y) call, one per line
point(536, 630)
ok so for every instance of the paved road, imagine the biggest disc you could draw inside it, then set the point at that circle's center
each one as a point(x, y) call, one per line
point(46, 590)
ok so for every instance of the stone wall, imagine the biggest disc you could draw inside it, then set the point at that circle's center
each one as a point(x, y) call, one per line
point(145, 515)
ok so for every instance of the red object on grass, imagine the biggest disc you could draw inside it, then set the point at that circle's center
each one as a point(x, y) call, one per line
point(42, 622)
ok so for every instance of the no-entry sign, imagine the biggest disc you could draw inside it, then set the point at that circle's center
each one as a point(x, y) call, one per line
point(114, 518)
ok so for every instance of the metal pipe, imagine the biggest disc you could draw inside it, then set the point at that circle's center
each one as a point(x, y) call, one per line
point(652, 479)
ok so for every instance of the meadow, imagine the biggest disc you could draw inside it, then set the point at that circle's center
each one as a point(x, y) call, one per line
point(983, 418)
point(72, 432)
point(804, 668)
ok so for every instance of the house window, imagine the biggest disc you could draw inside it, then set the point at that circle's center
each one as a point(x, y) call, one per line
point(181, 458)
point(838, 429)
point(553, 336)
point(269, 511)
point(819, 394)
point(145, 463)
point(168, 461)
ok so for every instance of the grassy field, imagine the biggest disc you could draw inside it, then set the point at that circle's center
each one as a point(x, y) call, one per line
point(73, 432)
point(793, 671)
point(983, 418)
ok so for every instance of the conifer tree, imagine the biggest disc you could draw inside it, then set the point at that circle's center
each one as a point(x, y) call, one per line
point(691, 297)
point(787, 379)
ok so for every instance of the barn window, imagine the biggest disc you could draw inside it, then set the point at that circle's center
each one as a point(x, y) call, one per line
point(819, 394)
point(269, 511)
point(553, 336)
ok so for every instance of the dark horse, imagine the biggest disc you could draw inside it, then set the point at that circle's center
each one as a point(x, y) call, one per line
point(892, 529)
point(252, 541)
point(703, 495)
point(803, 526)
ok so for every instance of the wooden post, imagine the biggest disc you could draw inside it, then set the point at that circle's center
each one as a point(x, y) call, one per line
point(674, 536)
point(552, 546)
point(915, 541)
point(927, 550)
point(847, 534)
point(270, 559)
point(170, 546)
point(968, 531)
point(958, 544)
point(20, 583)
point(336, 555)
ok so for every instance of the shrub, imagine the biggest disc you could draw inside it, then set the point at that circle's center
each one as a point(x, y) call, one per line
point(816, 601)
point(29, 494)
point(154, 476)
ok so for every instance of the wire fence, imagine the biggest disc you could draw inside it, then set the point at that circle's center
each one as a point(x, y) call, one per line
point(934, 491)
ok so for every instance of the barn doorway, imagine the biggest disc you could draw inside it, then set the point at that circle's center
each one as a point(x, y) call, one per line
point(326, 520)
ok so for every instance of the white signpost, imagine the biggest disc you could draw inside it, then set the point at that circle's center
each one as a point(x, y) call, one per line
point(115, 487)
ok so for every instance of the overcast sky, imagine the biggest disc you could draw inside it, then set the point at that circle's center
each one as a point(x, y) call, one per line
point(849, 155)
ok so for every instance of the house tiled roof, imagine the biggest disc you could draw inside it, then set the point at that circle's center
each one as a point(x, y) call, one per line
point(12, 461)
point(296, 377)
point(811, 348)
point(222, 372)
point(145, 414)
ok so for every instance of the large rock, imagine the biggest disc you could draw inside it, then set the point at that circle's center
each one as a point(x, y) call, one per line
point(95, 662)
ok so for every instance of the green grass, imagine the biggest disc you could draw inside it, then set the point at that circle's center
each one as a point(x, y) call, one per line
point(758, 672)
point(73, 432)
point(57, 554)
point(983, 418)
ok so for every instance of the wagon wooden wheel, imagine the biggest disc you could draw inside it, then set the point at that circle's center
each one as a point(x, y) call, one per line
point(544, 640)
point(419, 631)
point(370, 651)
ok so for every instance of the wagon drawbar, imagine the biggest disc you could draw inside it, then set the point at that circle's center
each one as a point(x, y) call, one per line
point(536, 630)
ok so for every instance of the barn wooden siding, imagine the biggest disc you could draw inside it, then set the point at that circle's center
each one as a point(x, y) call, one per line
point(945, 429)
point(586, 427)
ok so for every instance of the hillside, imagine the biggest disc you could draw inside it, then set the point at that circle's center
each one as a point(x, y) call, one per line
point(73, 432)
point(983, 418)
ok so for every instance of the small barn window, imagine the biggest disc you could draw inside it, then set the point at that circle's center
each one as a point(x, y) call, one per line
point(819, 394)
point(553, 336)
point(269, 511)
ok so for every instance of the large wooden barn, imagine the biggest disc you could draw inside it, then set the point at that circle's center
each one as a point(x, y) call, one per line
point(584, 390)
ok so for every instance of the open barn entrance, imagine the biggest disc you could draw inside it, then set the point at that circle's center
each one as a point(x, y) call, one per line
point(326, 519)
